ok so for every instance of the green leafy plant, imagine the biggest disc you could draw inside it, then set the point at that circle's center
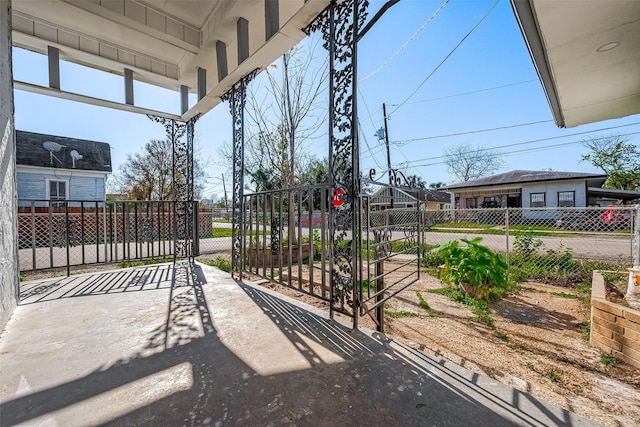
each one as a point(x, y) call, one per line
point(553, 376)
point(607, 360)
point(474, 268)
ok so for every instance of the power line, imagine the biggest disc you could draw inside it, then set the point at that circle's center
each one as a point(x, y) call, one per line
point(470, 92)
point(538, 140)
point(448, 56)
point(366, 141)
point(404, 46)
point(525, 150)
point(408, 141)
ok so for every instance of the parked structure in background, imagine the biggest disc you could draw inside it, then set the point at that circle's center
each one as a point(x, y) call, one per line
point(537, 189)
point(56, 168)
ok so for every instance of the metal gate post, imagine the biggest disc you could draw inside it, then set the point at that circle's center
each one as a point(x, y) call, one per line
point(237, 97)
point(340, 24)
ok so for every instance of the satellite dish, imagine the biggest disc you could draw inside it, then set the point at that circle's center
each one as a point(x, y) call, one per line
point(52, 147)
point(75, 156)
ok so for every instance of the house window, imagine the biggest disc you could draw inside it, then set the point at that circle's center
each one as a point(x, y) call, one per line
point(57, 191)
point(537, 200)
point(470, 203)
point(566, 199)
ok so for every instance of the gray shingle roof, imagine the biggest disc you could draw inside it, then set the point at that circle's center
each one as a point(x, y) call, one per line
point(520, 176)
point(96, 156)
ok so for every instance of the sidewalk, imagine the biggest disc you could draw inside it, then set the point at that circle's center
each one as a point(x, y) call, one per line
point(167, 346)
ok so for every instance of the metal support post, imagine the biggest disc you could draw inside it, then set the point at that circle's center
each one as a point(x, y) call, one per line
point(340, 23)
point(237, 97)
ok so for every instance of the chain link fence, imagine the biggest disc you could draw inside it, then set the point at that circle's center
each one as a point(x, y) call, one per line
point(541, 243)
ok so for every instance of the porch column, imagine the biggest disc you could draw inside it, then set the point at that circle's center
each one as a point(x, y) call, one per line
point(184, 209)
point(237, 97)
point(340, 24)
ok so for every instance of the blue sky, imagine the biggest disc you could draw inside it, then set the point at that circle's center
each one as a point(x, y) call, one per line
point(488, 82)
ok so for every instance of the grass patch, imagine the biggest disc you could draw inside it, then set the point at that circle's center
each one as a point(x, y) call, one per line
point(221, 232)
point(402, 313)
point(585, 329)
point(141, 262)
point(479, 308)
point(566, 295)
point(425, 305)
point(530, 366)
point(220, 262)
point(504, 337)
point(552, 376)
point(607, 360)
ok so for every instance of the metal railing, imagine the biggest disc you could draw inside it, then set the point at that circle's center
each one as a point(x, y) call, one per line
point(77, 232)
point(286, 238)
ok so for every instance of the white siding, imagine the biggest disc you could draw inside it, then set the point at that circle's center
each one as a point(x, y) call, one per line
point(551, 191)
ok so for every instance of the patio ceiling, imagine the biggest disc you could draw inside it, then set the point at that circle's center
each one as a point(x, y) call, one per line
point(163, 42)
point(587, 54)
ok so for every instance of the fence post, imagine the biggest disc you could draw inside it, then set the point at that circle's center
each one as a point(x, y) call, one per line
point(506, 233)
point(635, 245)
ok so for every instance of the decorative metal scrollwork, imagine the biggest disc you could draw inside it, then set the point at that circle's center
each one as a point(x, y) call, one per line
point(396, 178)
point(275, 234)
point(182, 182)
point(340, 24)
point(236, 97)
point(66, 232)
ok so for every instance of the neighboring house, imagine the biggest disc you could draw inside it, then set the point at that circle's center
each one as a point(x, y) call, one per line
point(531, 189)
point(410, 198)
point(57, 168)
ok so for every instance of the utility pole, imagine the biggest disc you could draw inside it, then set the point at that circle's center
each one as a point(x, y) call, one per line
point(386, 141)
point(224, 187)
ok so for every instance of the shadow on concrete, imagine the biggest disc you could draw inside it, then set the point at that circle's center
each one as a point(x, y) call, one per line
point(367, 380)
point(152, 277)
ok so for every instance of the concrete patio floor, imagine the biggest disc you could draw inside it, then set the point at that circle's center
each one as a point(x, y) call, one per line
point(169, 345)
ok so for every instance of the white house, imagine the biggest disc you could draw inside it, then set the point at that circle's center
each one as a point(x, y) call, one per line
point(56, 168)
point(529, 189)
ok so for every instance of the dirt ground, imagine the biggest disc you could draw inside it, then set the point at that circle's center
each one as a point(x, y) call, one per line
point(537, 345)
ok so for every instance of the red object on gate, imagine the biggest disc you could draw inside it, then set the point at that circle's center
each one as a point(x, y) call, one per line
point(337, 201)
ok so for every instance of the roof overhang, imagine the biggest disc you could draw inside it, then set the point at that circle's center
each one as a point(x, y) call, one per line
point(165, 42)
point(625, 195)
point(587, 56)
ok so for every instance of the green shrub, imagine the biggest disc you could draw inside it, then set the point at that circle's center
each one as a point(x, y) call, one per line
point(475, 265)
point(220, 262)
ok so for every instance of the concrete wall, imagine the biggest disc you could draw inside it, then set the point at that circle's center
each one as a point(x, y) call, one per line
point(8, 212)
point(615, 329)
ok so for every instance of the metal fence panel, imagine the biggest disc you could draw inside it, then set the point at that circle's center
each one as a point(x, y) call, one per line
point(593, 233)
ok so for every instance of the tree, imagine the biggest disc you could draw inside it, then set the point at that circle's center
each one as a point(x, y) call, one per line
point(146, 175)
point(416, 182)
point(436, 185)
point(616, 156)
point(466, 162)
point(284, 119)
point(315, 171)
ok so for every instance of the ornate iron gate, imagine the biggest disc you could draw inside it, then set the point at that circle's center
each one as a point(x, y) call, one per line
point(392, 240)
